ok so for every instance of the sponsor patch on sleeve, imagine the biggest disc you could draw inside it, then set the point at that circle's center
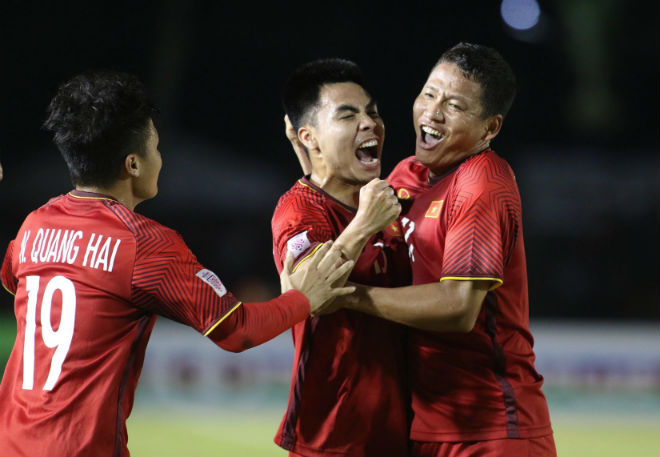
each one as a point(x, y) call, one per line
point(298, 244)
point(212, 280)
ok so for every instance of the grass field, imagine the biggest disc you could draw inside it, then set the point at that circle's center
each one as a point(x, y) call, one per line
point(586, 423)
point(170, 433)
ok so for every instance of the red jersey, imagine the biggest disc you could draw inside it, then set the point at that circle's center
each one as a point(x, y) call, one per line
point(89, 277)
point(347, 394)
point(467, 224)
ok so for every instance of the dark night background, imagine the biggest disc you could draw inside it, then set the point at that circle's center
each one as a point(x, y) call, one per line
point(582, 136)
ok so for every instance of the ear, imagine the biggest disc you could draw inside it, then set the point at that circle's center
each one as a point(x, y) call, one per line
point(307, 138)
point(493, 126)
point(131, 166)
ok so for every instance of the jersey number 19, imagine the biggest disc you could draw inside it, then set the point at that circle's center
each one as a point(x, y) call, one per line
point(60, 339)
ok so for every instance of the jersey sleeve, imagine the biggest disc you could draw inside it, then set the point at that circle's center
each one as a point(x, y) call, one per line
point(299, 226)
point(9, 280)
point(482, 224)
point(169, 281)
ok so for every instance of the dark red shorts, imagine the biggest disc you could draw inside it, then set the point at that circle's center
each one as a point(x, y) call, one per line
point(532, 447)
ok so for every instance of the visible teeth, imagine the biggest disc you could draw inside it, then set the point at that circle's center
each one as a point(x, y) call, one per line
point(369, 144)
point(369, 161)
point(431, 131)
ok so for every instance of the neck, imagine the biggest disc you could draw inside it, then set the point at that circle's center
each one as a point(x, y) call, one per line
point(442, 168)
point(347, 193)
point(116, 191)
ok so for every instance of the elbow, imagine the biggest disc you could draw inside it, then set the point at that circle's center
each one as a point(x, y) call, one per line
point(465, 324)
point(234, 345)
point(467, 317)
point(462, 321)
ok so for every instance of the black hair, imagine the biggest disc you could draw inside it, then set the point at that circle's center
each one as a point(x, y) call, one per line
point(97, 119)
point(300, 95)
point(487, 67)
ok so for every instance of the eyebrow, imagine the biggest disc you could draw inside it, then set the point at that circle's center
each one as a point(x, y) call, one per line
point(449, 96)
point(353, 109)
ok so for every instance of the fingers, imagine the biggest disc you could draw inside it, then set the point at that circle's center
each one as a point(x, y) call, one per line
point(341, 271)
point(320, 254)
point(341, 291)
point(331, 260)
point(288, 128)
point(288, 262)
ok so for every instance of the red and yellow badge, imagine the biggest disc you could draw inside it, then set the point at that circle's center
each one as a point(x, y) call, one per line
point(434, 209)
point(403, 194)
point(394, 229)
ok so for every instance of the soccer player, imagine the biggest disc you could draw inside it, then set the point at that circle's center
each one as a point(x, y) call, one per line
point(475, 391)
point(90, 276)
point(347, 395)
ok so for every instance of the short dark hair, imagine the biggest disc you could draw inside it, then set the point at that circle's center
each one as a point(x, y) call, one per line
point(487, 67)
point(97, 119)
point(300, 95)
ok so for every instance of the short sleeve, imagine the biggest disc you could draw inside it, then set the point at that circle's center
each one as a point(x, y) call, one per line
point(169, 281)
point(482, 223)
point(9, 280)
point(299, 228)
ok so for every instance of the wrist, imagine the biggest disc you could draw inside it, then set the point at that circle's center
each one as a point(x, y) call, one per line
point(358, 230)
point(297, 299)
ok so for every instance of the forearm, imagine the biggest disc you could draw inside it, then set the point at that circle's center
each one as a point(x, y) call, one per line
point(445, 306)
point(252, 324)
point(352, 241)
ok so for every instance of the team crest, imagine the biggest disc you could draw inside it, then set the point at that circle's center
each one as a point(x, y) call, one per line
point(434, 209)
point(212, 280)
point(403, 194)
point(394, 229)
point(298, 244)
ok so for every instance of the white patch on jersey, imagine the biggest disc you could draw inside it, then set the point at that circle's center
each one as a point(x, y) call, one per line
point(298, 244)
point(212, 280)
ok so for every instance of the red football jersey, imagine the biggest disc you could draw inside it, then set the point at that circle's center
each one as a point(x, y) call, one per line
point(89, 277)
point(467, 224)
point(347, 395)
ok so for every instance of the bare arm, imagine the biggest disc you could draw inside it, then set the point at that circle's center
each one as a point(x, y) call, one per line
point(444, 306)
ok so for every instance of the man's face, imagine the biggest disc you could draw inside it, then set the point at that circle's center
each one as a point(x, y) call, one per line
point(447, 118)
point(348, 133)
point(146, 185)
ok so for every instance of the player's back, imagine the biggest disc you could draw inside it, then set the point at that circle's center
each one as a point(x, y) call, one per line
point(80, 341)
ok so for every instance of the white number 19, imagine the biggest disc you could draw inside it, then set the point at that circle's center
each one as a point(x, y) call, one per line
point(60, 339)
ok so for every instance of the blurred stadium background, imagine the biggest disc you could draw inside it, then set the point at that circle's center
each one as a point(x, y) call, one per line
point(582, 136)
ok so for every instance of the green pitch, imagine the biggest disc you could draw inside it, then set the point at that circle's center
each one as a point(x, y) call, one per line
point(169, 433)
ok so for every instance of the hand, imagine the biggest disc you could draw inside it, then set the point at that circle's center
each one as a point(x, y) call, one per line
point(378, 206)
point(298, 148)
point(315, 277)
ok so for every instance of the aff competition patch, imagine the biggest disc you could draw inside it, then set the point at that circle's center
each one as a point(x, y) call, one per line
point(298, 244)
point(212, 280)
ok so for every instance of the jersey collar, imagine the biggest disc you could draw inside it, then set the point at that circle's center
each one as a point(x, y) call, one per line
point(432, 181)
point(75, 193)
point(305, 181)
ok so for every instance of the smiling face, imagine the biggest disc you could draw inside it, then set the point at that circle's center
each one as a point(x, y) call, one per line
point(344, 138)
point(448, 119)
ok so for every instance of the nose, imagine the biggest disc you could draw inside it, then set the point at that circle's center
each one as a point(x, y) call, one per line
point(367, 122)
point(434, 111)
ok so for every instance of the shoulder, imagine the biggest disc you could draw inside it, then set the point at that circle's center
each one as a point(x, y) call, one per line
point(407, 169)
point(486, 170)
point(142, 227)
point(300, 202)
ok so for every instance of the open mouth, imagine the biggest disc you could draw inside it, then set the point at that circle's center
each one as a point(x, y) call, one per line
point(367, 153)
point(431, 136)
